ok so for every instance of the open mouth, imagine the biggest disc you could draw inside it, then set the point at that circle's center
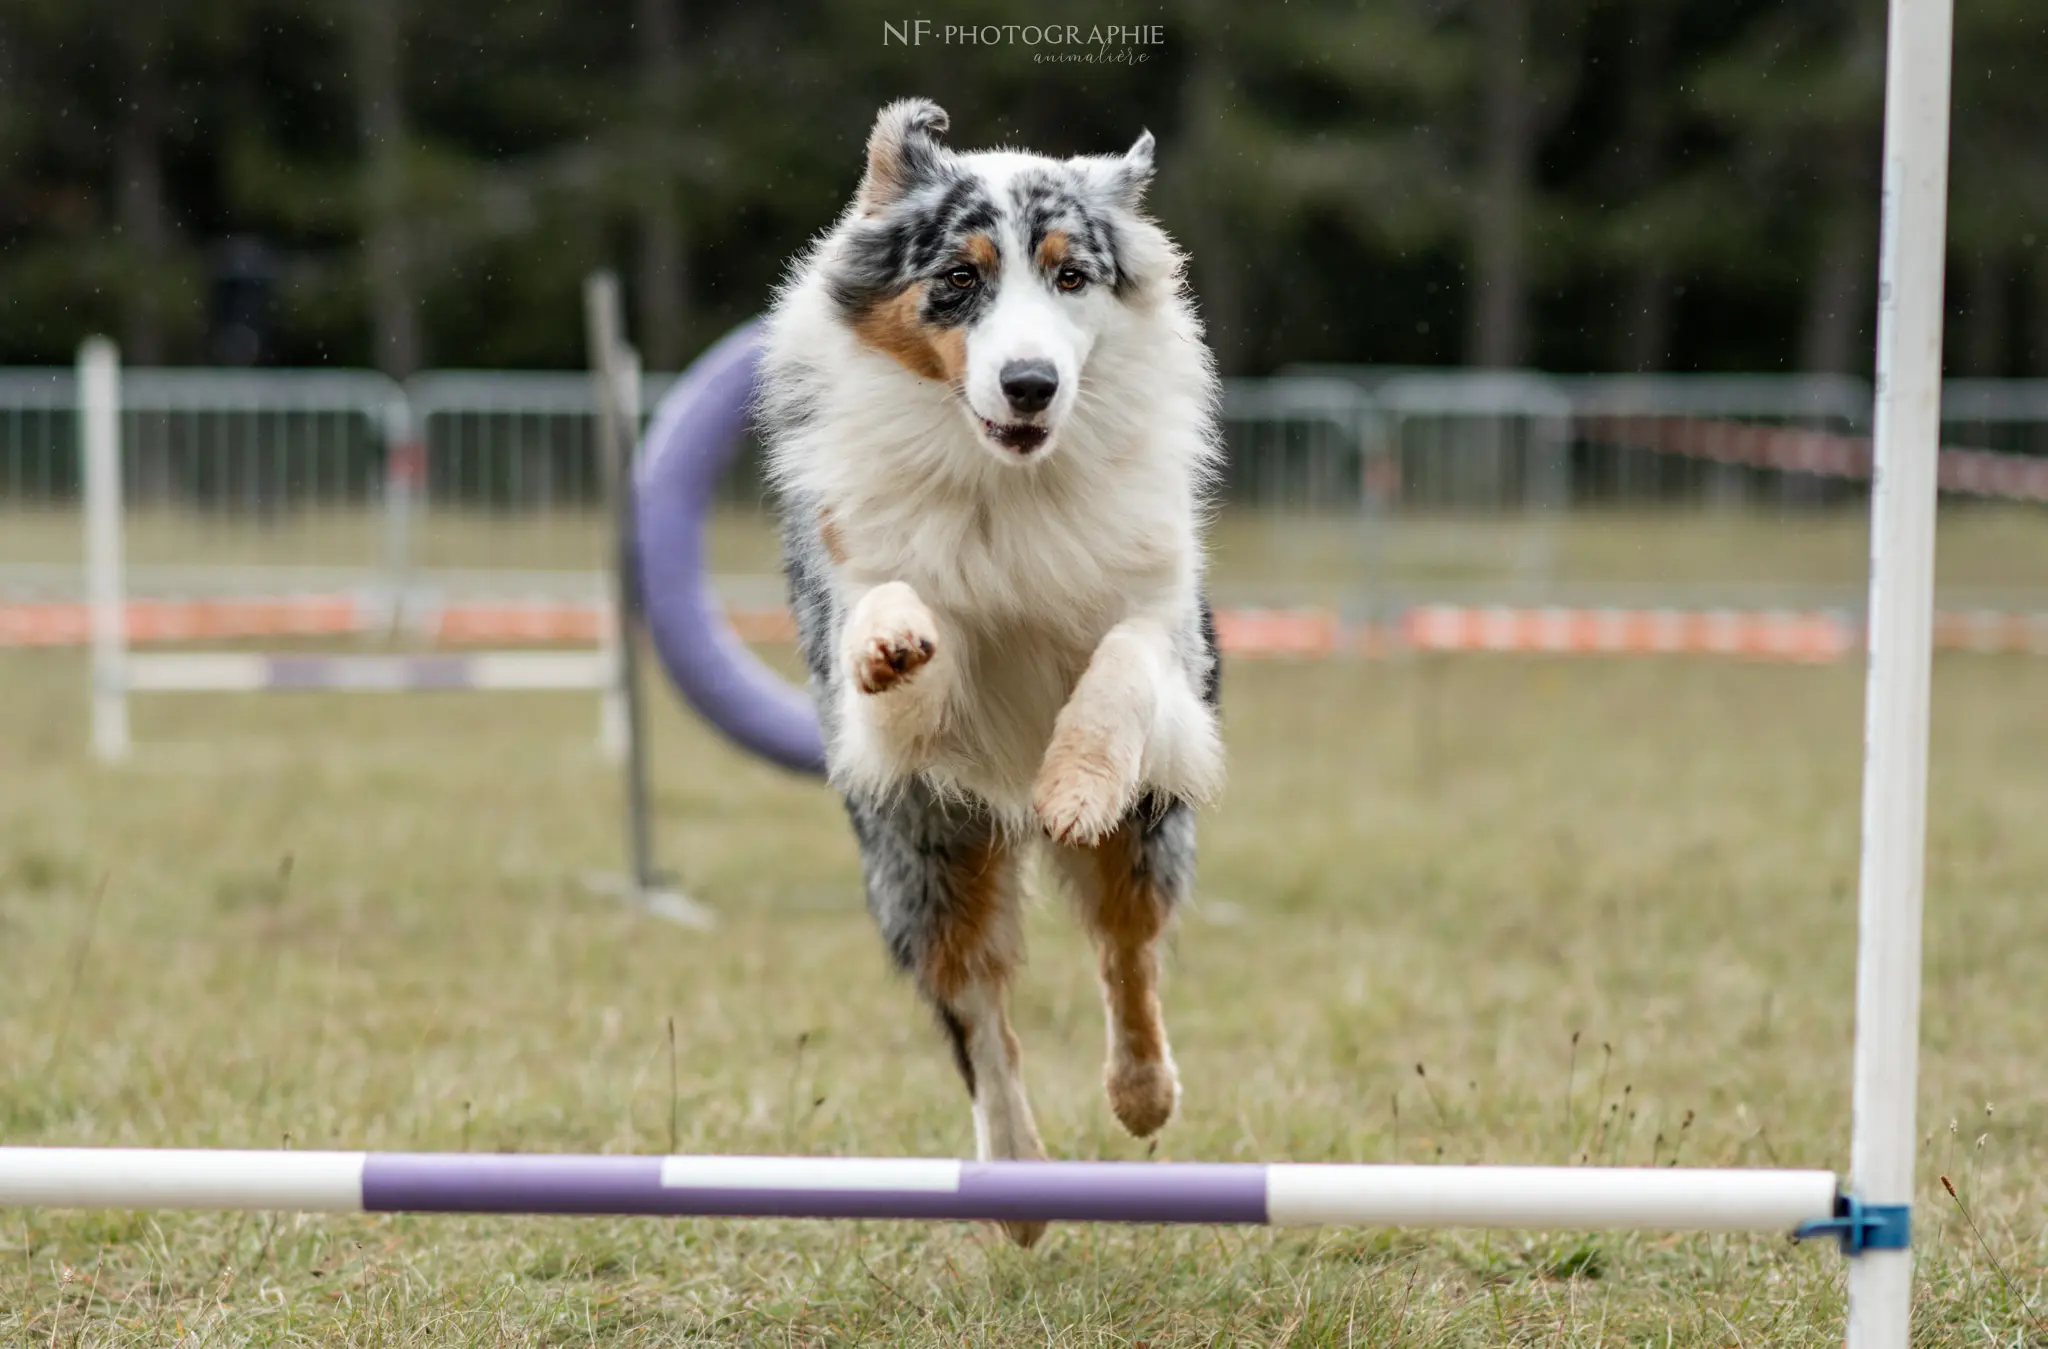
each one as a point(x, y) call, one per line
point(1016, 436)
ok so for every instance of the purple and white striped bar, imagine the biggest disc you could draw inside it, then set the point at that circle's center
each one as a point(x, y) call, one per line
point(1294, 1195)
point(236, 672)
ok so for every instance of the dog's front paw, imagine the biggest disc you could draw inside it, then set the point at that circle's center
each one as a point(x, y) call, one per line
point(1084, 790)
point(891, 639)
point(887, 659)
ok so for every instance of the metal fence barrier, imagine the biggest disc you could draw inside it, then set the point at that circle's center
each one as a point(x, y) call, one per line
point(486, 484)
point(223, 471)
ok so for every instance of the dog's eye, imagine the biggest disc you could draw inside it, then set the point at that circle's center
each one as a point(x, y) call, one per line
point(963, 278)
point(1070, 279)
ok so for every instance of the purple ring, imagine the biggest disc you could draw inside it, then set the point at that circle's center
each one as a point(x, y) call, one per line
point(688, 446)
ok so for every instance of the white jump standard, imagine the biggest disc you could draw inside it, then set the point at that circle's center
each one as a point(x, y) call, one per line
point(117, 671)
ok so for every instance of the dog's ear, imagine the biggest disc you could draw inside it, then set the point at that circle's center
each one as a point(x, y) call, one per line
point(902, 149)
point(1134, 171)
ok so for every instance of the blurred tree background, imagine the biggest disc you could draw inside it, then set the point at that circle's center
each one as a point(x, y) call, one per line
point(1568, 184)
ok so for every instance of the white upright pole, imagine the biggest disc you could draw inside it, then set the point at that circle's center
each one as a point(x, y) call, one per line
point(615, 375)
point(1908, 426)
point(405, 473)
point(613, 729)
point(99, 430)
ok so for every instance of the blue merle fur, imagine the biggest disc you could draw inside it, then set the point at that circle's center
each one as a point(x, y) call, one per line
point(914, 846)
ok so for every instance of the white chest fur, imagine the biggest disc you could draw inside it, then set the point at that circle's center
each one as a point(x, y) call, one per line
point(1025, 570)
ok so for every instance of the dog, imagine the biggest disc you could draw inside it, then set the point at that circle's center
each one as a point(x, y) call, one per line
point(991, 429)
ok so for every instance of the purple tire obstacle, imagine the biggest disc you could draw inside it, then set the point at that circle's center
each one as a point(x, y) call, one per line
point(692, 439)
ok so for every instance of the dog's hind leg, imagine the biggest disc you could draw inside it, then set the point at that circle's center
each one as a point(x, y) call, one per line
point(1127, 888)
point(945, 885)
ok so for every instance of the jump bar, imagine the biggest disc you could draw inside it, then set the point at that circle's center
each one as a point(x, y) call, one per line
point(234, 672)
point(1286, 1194)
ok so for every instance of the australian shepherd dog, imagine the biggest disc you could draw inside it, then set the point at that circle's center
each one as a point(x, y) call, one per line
point(991, 422)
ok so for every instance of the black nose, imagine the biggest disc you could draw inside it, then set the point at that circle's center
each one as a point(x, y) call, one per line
point(1030, 385)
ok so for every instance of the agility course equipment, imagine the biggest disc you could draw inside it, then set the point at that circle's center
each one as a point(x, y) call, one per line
point(1282, 1194)
point(1870, 1214)
point(1804, 636)
point(615, 372)
point(117, 672)
point(1981, 473)
point(695, 432)
point(1907, 423)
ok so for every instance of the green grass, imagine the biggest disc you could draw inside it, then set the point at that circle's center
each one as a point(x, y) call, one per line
point(336, 922)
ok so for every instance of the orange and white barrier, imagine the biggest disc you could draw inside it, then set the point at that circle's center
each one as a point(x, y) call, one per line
point(1992, 630)
point(173, 620)
point(1768, 635)
point(1280, 632)
point(461, 624)
point(1985, 473)
point(1266, 633)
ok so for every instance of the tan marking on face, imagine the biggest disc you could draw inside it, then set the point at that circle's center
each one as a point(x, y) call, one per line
point(896, 328)
point(977, 940)
point(1052, 250)
point(950, 346)
point(829, 535)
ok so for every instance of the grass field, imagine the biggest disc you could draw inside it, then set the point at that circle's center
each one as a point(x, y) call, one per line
point(361, 923)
